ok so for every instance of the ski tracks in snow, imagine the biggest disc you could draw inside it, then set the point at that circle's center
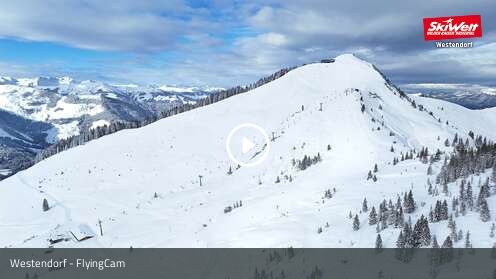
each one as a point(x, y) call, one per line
point(67, 211)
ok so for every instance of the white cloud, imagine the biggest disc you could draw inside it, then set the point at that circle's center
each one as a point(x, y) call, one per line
point(274, 39)
point(140, 26)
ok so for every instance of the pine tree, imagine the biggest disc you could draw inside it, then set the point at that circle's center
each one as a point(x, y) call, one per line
point(445, 188)
point(471, 134)
point(462, 191)
point(372, 216)
point(421, 233)
point(356, 223)
point(467, 240)
point(436, 215)
point(398, 202)
point(328, 194)
point(46, 207)
point(485, 215)
point(448, 243)
point(378, 243)
point(444, 210)
point(400, 218)
point(434, 242)
point(384, 219)
point(278, 180)
point(426, 232)
point(470, 198)
point(369, 175)
point(400, 242)
point(454, 204)
point(452, 227)
point(408, 235)
point(455, 140)
point(409, 202)
point(463, 208)
point(484, 190)
point(460, 235)
point(364, 205)
point(493, 174)
point(440, 211)
point(376, 169)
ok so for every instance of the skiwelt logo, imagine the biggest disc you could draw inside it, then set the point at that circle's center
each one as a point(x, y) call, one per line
point(452, 27)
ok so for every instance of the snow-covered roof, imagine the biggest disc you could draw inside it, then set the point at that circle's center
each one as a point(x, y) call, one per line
point(82, 232)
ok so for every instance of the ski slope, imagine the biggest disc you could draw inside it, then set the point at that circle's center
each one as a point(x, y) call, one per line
point(143, 184)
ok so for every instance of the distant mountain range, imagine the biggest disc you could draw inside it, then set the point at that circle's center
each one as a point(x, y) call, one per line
point(36, 112)
point(471, 96)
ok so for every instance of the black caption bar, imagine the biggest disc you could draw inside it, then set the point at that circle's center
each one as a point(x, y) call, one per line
point(247, 263)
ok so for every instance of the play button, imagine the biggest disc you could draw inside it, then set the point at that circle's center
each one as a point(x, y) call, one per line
point(247, 145)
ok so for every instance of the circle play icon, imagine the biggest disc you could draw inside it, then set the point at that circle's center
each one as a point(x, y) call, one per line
point(247, 145)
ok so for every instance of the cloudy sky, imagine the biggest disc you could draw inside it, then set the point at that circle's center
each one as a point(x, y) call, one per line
point(226, 43)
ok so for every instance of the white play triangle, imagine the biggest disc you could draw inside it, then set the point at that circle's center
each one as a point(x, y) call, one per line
point(246, 145)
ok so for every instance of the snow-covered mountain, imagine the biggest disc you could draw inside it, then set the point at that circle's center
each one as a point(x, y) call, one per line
point(67, 107)
point(70, 105)
point(471, 96)
point(141, 186)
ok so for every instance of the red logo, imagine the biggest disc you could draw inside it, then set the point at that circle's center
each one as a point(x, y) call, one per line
point(452, 27)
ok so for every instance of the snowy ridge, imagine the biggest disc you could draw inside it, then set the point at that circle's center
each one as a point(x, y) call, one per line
point(143, 183)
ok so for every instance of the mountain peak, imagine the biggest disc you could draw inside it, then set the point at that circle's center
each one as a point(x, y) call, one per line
point(349, 57)
point(7, 80)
